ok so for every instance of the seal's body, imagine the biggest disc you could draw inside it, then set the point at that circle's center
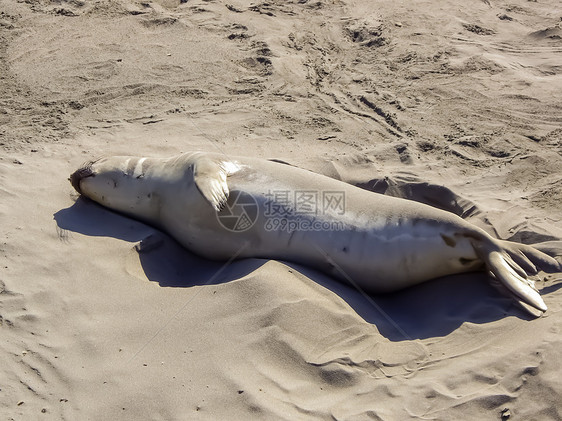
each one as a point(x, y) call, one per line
point(223, 207)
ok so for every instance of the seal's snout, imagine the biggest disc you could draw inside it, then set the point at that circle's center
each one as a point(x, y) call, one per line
point(79, 175)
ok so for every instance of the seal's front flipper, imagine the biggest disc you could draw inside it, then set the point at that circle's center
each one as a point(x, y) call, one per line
point(505, 271)
point(210, 176)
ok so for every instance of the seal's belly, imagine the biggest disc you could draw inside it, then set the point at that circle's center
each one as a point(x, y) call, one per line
point(381, 259)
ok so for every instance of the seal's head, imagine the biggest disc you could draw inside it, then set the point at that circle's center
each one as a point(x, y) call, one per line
point(119, 183)
point(77, 176)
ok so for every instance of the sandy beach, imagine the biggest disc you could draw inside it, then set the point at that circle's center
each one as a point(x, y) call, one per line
point(454, 104)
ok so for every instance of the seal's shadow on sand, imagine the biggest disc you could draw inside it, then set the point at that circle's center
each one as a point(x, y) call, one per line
point(431, 309)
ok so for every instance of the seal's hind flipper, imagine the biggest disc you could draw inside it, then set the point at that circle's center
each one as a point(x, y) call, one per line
point(531, 259)
point(511, 264)
point(505, 271)
point(502, 289)
point(210, 176)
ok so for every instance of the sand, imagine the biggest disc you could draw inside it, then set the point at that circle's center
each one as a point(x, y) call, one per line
point(102, 317)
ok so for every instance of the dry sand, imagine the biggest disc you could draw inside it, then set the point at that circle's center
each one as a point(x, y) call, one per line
point(399, 97)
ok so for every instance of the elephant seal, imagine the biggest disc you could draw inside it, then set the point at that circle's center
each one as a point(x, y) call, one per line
point(223, 207)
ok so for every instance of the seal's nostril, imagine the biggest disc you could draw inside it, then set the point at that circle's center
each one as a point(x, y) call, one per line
point(79, 175)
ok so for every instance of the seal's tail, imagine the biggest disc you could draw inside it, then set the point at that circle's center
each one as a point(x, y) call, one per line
point(512, 264)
